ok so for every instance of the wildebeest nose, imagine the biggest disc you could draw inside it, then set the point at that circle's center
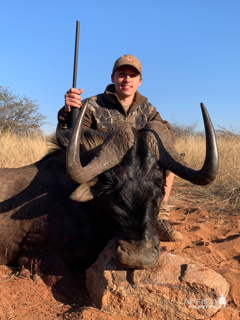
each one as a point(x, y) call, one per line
point(137, 254)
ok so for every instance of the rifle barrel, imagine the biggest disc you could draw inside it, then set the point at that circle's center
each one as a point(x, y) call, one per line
point(74, 110)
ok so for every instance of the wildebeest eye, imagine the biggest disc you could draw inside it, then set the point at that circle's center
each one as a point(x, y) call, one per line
point(159, 182)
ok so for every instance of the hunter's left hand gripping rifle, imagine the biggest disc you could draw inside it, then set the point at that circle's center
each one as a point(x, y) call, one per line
point(74, 110)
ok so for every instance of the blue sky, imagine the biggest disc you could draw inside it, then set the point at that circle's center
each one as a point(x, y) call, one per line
point(190, 51)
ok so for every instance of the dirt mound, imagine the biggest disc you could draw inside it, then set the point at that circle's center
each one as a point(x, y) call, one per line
point(210, 237)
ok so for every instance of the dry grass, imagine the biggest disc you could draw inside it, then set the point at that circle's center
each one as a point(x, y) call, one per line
point(18, 151)
point(225, 190)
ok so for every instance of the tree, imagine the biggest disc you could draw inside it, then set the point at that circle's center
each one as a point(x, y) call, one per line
point(19, 114)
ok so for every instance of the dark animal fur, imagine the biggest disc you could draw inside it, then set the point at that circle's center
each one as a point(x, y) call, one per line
point(43, 230)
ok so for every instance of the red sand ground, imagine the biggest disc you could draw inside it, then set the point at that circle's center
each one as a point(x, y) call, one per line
point(210, 236)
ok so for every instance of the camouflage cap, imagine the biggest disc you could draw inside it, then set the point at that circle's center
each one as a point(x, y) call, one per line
point(129, 60)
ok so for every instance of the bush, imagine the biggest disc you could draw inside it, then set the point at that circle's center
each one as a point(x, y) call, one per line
point(19, 114)
point(185, 130)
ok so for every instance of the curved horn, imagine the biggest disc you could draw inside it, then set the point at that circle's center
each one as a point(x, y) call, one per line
point(159, 141)
point(119, 139)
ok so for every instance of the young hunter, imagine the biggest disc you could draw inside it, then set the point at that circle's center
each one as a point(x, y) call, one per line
point(122, 101)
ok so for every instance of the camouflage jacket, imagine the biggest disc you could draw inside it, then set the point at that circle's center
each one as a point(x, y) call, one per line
point(105, 108)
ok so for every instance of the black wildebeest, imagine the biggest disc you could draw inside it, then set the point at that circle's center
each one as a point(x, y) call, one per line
point(55, 221)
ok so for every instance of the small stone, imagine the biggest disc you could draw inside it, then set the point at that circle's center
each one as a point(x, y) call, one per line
point(24, 273)
point(35, 277)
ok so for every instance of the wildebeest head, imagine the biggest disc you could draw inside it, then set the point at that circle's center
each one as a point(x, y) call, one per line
point(128, 173)
point(126, 202)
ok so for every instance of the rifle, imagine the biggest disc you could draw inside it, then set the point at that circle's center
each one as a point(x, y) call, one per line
point(74, 110)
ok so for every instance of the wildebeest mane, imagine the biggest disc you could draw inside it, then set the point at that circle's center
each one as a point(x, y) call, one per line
point(59, 142)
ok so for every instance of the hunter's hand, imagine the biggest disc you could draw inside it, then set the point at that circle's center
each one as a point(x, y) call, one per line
point(73, 99)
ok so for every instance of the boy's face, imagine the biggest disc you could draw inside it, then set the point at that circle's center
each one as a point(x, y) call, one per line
point(126, 80)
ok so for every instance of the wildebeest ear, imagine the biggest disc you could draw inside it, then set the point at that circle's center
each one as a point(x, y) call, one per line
point(85, 192)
